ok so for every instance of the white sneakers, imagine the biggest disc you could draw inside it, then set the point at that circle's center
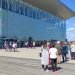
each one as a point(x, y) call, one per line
point(47, 70)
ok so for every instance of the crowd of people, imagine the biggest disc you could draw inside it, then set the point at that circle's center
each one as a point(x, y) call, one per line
point(13, 45)
point(51, 53)
point(10, 46)
point(56, 53)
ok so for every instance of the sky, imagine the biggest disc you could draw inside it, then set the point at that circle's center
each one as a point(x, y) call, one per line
point(70, 23)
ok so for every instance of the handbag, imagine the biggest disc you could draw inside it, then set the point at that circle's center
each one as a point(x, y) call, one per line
point(40, 54)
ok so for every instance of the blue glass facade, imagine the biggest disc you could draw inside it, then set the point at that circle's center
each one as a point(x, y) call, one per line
point(23, 20)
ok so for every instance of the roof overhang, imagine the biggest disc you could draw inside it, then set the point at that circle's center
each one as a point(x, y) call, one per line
point(52, 6)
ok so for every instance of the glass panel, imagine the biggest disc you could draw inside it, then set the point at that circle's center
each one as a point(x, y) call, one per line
point(3, 4)
point(16, 6)
point(30, 12)
point(33, 14)
point(10, 5)
point(0, 3)
point(26, 10)
point(21, 8)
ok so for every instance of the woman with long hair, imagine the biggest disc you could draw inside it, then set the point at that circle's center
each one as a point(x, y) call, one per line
point(45, 57)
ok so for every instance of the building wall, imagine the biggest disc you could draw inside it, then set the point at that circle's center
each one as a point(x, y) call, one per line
point(0, 21)
point(28, 21)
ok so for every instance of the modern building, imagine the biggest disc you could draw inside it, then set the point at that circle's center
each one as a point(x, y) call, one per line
point(39, 19)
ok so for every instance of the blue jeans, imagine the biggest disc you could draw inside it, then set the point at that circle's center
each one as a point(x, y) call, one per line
point(64, 57)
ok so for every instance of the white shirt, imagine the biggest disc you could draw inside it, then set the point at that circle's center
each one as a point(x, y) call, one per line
point(33, 43)
point(72, 48)
point(14, 45)
point(26, 43)
point(53, 53)
point(45, 56)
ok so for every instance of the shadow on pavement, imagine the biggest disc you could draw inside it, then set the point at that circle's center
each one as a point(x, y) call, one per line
point(58, 68)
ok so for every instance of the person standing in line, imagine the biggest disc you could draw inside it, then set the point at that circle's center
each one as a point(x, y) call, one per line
point(49, 45)
point(14, 46)
point(72, 51)
point(58, 46)
point(45, 57)
point(26, 44)
point(69, 51)
point(6, 46)
point(34, 44)
point(53, 56)
point(10, 46)
point(64, 52)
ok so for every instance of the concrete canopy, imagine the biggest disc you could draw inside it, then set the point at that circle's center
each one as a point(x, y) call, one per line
point(52, 6)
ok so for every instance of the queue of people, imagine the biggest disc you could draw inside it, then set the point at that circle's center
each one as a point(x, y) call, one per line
point(51, 53)
point(56, 53)
point(11, 46)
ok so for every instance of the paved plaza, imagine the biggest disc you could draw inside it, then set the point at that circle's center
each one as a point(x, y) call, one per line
point(27, 53)
point(27, 62)
point(22, 53)
point(22, 66)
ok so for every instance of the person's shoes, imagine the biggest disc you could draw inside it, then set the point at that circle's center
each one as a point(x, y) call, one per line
point(59, 63)
point(53, 70)
point(47, 70)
